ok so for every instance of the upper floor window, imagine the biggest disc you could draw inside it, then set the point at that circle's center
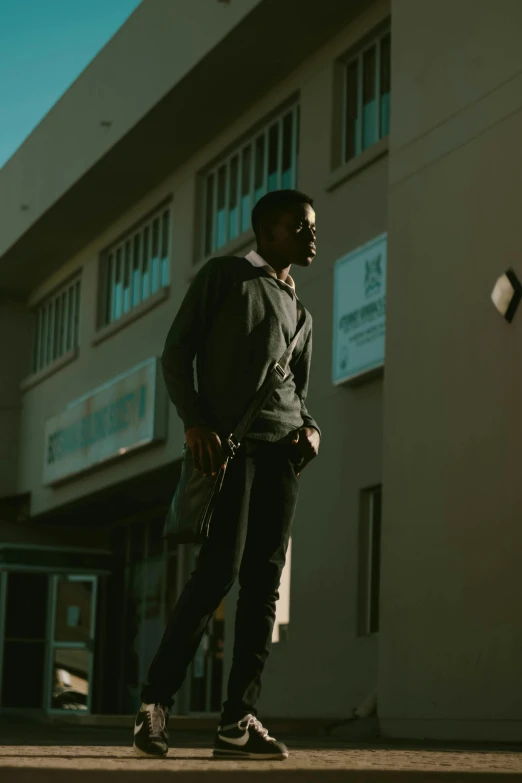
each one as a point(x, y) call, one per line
point(366, 104)
point(56, 330)
point(135, 267)
point(266, 161)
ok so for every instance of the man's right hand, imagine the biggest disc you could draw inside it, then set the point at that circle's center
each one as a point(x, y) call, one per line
point(206, 449)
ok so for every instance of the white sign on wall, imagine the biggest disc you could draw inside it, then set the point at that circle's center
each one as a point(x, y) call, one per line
point(126, 413)
point(359, 311)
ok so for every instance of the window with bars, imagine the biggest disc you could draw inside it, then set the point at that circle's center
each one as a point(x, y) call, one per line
point(366, 101)
point(57, 321)
point(266, 162)
point(370, 560)
point(135, 267)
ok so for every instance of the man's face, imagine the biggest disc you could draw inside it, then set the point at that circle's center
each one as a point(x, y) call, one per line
point(292, 239)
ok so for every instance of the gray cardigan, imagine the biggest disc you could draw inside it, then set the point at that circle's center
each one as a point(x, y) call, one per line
point(237, 321)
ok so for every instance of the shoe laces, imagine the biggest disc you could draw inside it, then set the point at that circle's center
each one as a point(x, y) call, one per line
point(251, 721)
point(157, 718)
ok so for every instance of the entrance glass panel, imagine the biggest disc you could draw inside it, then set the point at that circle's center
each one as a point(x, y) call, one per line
point(24, 639)
point(70, 660)
point(71, 683)
point(73, 611)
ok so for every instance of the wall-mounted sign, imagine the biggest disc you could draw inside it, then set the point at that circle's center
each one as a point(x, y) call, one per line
point(359, 311)
point(126, 413)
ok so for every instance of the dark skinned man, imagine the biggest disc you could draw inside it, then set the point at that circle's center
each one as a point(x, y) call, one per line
point(237, 319)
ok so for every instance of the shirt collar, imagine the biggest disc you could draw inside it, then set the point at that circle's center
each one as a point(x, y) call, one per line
point(256, 260)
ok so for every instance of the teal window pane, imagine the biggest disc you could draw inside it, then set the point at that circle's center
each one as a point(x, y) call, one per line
point(70, 316)
point(108, 297)
point(221, 217)
point(118, 287)
point(385, 85)
point(136, 275)
point(35, 339)
point(286, 181)
point(221, 228)
point(369, 118)
point(259, 176)
point(273, 157)
point(287, 162)
point(246, 210)
point(145, 264)
point(165, 230)
point(50, 326)
point(369, 124)
point(127, 278)
point(63, 330)
point(233, 206)
point(76, 312)
point(385, 114)
point(233, 218)
point(57, 321)
point(155, 260)
point(351, 129)
point(246, 201)
point(209, 214)
point(117, 301)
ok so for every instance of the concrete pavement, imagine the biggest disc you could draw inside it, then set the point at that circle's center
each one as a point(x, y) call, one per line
point(32, 753)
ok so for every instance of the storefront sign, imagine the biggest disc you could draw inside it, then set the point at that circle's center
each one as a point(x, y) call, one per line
point(126, 413)
point(359, 311)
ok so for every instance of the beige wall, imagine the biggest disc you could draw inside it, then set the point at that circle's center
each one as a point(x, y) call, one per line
point(323, 669)
point(451, 643)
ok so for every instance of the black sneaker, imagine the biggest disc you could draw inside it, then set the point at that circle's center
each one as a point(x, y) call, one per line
point(151, 737)
point(248, 739)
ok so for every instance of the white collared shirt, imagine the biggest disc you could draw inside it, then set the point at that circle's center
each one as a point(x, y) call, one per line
point(256, 260)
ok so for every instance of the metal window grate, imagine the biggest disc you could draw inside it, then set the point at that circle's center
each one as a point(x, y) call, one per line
point(135, 267)
point(57, 320)
point(266, 161)
point(366, 97)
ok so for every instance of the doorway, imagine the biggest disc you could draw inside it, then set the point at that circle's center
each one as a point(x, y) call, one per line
point(47, 632)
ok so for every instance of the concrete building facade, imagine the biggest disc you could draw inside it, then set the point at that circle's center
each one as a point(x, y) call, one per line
point(146, 167)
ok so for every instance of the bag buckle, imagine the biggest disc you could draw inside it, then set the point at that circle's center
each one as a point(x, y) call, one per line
point(233, 444)
point(279, 370)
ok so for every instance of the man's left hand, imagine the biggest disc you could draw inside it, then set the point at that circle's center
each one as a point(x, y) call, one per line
point(306, 443)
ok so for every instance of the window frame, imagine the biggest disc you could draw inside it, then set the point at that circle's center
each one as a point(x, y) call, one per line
point(117, 263)
point(235, 157)
point(373, 40)
point(52, 340)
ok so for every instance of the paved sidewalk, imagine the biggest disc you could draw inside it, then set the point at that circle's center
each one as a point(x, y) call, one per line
point(51, 754)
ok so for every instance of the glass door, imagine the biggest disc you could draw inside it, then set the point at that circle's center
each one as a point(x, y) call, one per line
point(71, 647)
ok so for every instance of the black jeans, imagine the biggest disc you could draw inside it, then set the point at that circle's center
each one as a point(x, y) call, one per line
point(249, 535)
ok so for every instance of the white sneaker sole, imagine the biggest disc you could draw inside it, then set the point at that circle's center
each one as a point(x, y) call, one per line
point(243, 755)
point(140, 752)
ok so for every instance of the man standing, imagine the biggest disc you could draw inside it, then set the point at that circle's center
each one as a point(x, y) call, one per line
point(237, 319)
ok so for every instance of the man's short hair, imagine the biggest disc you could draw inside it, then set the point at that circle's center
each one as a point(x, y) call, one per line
point(269, 208)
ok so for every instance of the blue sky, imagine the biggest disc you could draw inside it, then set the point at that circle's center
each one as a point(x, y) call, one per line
point(44, 46)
